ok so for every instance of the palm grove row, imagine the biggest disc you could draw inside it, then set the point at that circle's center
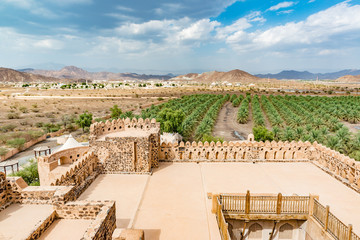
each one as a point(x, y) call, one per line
point(279, 118)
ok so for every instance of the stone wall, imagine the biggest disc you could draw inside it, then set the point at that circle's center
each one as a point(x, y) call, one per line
point(104, 224)
point(41, 227)
point(101, 212)
point(101, 128)
point(4, 200)
point(235, 151)
point(46, 164)
point(125, 154)
point(85, 163)
point(126, 145)
point(342, 167)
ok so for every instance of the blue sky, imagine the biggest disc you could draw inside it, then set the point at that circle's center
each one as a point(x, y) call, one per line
point(181, 36)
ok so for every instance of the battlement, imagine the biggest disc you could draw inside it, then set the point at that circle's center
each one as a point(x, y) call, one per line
point(101, 128)
point(233, 151)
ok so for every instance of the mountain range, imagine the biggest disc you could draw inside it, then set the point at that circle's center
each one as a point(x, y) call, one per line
point(215, 76)
point(72, 72)
point(13, 76)
point(305, 75)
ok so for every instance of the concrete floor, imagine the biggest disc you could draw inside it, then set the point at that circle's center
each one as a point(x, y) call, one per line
point(126, 189)
point(19, 220)
point(69, 229)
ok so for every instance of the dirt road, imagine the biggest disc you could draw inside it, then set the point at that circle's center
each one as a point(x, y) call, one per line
point(228, 128)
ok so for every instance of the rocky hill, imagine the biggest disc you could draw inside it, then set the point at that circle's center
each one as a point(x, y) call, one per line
point(8, 75)
point(234, 76)
point(305, 75)
point(72, 72)
point(349, 79)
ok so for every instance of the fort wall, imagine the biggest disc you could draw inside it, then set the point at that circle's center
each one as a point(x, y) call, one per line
point(102, 128)
point(125, 145)
point(101, 212)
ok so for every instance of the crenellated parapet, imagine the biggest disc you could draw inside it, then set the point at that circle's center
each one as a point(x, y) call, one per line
point(99, 129)
point(235, 151)
point(76, 173)
point(338, 165)
point(68, 167)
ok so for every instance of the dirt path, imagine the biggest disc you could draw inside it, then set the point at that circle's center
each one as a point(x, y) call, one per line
point(353, 127)
point(228, 128)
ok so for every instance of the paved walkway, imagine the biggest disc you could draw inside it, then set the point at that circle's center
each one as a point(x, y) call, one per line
point(18, 221)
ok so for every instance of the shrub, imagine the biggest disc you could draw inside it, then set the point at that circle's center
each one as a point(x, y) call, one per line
point(160, 99)
point(7, 128)
point(16, 142)
point(84, 120)
point(262, 134)
point(29, 173)
point(39, 124)
point(115, 112)
point(13, 116)
point(23, 109)
point(3, 151)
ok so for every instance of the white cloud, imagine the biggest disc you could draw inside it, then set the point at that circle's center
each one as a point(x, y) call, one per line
point(318, 28)
point(126, 9)
point(49, 44)
point(34, 7)
point(285, 11)
point(168, 8)
point(70, 2)
point(281, 5)
point(199, 30)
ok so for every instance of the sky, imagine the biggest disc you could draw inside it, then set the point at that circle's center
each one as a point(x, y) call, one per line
point(181, 36)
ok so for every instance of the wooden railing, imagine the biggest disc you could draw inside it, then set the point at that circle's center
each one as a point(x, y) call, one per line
point(271, 204)
point(335, 227)
point(223, 226)
point(278, 207)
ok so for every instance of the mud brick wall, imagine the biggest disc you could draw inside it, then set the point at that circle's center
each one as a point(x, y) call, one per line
point(79, 209)
point(235, 151)
point(4, 201)
point(124, 154)
point(342, 167)
point(104, 224)
point(41, 227)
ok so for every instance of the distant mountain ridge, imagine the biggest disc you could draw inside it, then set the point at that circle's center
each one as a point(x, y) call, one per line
point(8, 75)
point(72, 72)
point(305, 75)
point(234, 76)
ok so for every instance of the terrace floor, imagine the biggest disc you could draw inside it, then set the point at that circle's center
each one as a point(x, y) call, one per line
point(126, 189)
point(18, 221)
point(69, 229)
point(172, 203)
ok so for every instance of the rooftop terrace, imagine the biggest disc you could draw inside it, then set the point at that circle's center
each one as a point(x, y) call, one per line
point(174, 204)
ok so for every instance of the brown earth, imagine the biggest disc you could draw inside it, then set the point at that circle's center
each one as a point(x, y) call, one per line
point(215, 76)
point(349, 79)
point(226, 124)
point(353, 127)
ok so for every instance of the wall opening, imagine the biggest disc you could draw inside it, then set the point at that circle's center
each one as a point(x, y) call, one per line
point(286, 231)
point(255, 231)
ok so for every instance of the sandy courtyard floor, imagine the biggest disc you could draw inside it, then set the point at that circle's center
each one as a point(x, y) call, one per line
point(126, 189)
point(18, 221)
point(175, 206)
point(69, 229)
point(172, 203)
